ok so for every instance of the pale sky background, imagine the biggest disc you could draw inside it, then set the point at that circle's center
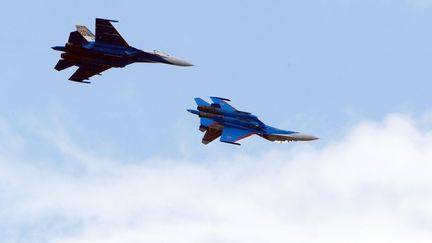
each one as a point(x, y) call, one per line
point(120, 160)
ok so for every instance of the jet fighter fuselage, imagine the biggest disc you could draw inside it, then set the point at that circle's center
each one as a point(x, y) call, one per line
point(115, 56)
point(221, 119)
point(97, 53)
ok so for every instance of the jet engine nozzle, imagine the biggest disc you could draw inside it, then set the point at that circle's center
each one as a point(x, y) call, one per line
point(203, 114)
point(207, 115)
point(210, 109)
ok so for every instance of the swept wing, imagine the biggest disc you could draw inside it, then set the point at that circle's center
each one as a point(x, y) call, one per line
point(232, 135)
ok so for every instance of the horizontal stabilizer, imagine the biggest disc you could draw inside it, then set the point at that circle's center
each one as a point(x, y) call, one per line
point(84, 72)
point(76, 38)
point(63, 64)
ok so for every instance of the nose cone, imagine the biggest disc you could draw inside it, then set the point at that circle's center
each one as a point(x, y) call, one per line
point(178, 62)
point(303, 137)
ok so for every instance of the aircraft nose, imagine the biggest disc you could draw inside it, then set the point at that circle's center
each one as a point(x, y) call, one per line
point(303, 137)
point(179, 62)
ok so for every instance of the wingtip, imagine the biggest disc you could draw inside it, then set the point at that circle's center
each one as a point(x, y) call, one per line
point(110, 20)
point(234, 143)
point(215, 97)
point(78, 81)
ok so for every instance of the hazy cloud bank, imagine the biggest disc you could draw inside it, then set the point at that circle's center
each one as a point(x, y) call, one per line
point(374, 185)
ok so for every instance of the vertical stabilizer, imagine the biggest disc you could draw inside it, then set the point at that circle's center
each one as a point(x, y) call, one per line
point(85, 32)
point(201, 102)
point(76, 38)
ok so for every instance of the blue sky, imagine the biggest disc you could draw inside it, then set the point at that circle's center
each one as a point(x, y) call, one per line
point(319, 67)
point(312, 66)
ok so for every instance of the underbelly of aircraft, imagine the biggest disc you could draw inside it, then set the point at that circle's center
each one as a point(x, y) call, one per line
point(109, 60)
point(278, 138)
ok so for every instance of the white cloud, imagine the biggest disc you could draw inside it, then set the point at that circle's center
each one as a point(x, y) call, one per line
point(374, 185)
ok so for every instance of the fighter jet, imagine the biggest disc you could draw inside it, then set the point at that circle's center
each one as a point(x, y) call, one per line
point(94, 54)
point(220, 119)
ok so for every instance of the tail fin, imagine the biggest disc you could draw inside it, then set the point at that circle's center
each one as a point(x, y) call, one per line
point(76, 38)
point(204, 122)
point(63, 64)
point(85, 32)
point(222, 103)
point(202, 102)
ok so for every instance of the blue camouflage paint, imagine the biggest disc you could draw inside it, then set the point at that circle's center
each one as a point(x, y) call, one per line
point(222, 119)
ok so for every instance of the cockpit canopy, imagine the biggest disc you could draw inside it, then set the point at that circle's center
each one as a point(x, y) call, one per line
point(160, 53)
